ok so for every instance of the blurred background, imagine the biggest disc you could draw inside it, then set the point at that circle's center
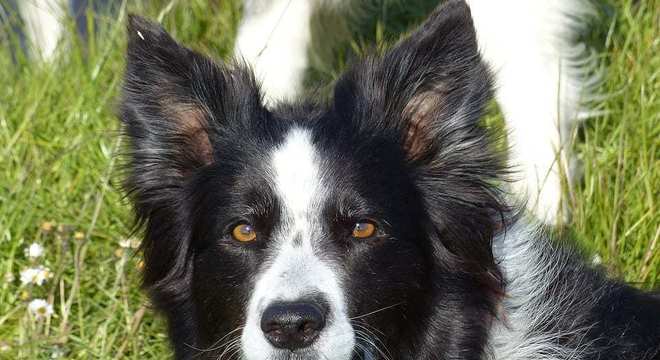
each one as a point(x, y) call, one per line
point(69, 263)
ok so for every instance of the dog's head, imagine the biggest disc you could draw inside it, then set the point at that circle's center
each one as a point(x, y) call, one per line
point(360, 227)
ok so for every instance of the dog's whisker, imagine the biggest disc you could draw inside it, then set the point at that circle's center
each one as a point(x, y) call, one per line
point(214, 346)
point(376, 311)
point(373, 336)
point(365, 324)
point(373, 345)
point(358, 349)
point(236, 353)
point(231, 348)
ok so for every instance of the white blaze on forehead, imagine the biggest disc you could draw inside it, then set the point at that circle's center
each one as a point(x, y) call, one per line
point(296, 172)
point(293, 270)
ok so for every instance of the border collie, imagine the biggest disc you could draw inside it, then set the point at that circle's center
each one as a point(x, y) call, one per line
point(370, 226)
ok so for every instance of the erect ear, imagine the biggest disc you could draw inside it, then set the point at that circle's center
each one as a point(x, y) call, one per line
point(426, 95)
point(175, 105)
point(175, 101)
point(430, 82)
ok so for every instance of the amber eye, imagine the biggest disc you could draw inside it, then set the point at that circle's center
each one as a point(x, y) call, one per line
point(244, 233)
point(363, 230)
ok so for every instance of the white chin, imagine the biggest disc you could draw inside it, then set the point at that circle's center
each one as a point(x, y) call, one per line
point(307, 354)
point(298, 355)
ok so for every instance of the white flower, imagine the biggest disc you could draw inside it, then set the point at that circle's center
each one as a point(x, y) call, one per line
point(28, 275)
point(34, 251)
point(40, 309)
point(36, 276)
point(131, 243)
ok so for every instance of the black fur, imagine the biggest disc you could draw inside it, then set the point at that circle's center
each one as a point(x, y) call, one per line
point(401, 140)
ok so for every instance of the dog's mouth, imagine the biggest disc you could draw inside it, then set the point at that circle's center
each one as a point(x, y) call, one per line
point(363, 351)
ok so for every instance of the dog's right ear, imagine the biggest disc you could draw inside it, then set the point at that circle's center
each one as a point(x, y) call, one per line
point(175, 104)
point(174, 99)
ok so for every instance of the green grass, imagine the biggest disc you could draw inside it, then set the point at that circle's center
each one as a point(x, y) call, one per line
point(58, 164)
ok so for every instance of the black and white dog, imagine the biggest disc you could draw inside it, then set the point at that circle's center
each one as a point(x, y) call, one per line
point(371, 226)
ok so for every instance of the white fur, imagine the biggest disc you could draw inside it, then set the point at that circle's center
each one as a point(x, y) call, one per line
point(43, 26)
point(540, 86)
point(295, 269)
point(273, 38)
point(530, 266)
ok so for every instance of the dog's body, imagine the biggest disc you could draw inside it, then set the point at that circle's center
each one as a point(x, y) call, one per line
point(371, 227)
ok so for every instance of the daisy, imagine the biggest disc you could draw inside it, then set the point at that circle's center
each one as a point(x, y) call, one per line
point(40, 309)
point(34, 251)
point(131, 243)
point(36, 276)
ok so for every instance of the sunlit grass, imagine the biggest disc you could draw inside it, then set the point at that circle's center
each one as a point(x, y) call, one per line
point(59, 178)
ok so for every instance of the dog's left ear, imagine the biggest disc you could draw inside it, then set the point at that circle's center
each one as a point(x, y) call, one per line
point(431, 83)
point(426, 95)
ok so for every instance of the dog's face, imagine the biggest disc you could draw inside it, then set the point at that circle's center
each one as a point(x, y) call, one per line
point(358, 228)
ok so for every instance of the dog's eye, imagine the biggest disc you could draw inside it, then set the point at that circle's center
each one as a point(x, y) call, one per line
point(244, 233)
point(363, 230)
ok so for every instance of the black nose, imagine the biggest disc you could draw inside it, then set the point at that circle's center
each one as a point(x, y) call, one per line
point(293, 325)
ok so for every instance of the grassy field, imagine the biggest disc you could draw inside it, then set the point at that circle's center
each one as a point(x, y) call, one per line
point(59, 173)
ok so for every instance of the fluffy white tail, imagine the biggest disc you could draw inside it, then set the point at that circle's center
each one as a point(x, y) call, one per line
point(273, 38)
point(541, 75)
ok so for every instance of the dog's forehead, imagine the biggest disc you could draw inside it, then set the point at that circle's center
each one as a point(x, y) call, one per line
point(296, 170)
